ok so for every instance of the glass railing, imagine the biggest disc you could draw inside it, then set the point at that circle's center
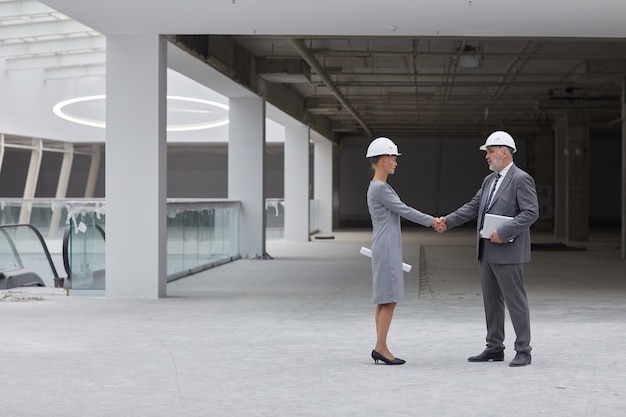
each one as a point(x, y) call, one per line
point(84, 245)
point(48, 216)
point(275, 218)
point(200, 234)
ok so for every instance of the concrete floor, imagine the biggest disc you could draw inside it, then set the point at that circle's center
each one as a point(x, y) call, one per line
point(292, 337)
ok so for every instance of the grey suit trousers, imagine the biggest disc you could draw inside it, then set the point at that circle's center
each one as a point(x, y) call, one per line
point(504, 283)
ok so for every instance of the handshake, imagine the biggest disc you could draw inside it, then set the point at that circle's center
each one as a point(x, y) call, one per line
point(439, 224)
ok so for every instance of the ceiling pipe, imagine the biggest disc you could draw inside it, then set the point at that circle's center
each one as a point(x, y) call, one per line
point(310, 59)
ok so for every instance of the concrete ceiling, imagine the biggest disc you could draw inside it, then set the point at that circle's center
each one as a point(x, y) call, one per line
point(398, 67)
point(600, 18)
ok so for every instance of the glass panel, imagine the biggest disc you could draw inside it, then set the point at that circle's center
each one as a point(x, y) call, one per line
point(206, 235)
point(86, 248)
point(175, 243)
point(313, 216)
point(22, 251)
point(9, 258)
point(274, 218)
point(47, 215)
point(190, 239)
point(200, 234)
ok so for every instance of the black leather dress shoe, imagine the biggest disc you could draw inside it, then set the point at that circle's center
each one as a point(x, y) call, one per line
point(521, 359)
point(487, 356)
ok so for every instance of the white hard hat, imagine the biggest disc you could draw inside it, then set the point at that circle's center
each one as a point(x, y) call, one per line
point(382, 146)
point(499, 138)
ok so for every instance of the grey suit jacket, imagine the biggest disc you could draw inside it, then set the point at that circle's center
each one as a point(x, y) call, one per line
point(516, 197)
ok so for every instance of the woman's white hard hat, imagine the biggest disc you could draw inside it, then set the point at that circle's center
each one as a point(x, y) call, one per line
point(499, 138)
point(381, 146)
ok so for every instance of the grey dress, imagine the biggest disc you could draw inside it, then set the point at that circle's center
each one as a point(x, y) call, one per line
point(385, 209)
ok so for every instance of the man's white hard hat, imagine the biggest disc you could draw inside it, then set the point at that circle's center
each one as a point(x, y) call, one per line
point(499, 138)
point(382, 146)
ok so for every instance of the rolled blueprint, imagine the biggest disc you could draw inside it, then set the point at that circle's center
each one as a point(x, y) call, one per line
point(368, 252)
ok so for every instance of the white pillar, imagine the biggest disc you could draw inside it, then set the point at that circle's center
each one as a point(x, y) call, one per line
point(136, 211)
point(62, 183)
point(577, 197)
point(323, 182)
point(32, 176)
point(571, 177)
point(66, 168)
point(246, 154)
point(94, 167)
point(297, 183)
point(560, 176)
point(36, 155)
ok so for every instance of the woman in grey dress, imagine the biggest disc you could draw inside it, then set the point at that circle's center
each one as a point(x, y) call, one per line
point(386, 209)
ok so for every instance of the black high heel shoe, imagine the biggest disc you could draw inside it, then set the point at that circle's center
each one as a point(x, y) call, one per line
point(378, 357)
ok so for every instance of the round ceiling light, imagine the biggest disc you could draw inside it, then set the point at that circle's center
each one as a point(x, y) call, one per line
point(192, 114)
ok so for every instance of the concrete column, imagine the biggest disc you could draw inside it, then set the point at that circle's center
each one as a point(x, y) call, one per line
point(560, 176)
point(62, 183)
point(297, 183)
point(66, 169)
point(578, 180)
point(543, 154)
point(136, 209)
point(94, 167)
point(323, 182)
point(32, 176)
point(246, 155)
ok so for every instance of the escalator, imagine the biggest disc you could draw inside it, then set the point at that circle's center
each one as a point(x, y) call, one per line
point(25, 260)
point(200, 235)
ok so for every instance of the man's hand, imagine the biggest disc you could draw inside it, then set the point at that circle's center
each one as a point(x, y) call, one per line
point(439, 224)
point(495, 237)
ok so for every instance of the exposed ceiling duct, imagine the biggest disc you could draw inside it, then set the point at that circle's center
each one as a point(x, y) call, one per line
point(312, 61)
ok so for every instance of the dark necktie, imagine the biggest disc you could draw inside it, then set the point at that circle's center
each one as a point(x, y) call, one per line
point(488, 203)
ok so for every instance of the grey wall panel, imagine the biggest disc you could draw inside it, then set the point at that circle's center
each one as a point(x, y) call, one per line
point(13, 173)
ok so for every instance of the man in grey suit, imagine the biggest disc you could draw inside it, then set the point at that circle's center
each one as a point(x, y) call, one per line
point(508, 191)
